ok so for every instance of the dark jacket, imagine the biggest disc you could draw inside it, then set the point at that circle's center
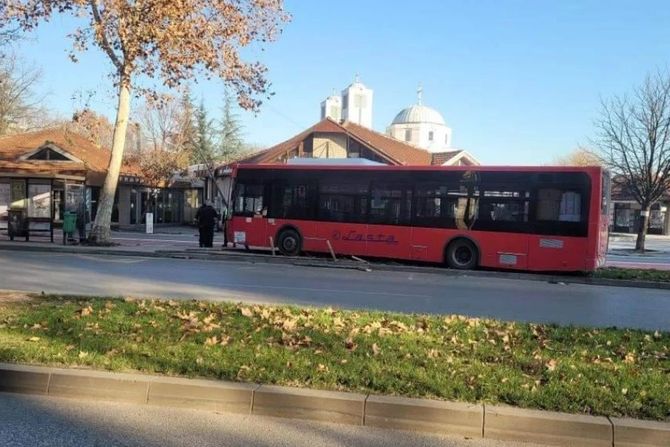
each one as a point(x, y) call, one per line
point(206, 216)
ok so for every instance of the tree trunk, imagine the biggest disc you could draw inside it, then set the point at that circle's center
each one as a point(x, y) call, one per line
point(642, 230)
point(101, 232)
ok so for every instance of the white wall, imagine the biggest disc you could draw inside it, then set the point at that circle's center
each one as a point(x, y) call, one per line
point(359, 112)
point(420, 135)
point(331, 107)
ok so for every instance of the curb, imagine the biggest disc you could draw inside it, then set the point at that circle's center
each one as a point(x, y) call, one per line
point(451, 418)
point(256, 258)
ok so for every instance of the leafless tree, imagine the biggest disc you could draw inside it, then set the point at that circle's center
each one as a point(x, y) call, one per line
point(634, 141)
point(164, 125)
point(19, 106)
point(580, 156)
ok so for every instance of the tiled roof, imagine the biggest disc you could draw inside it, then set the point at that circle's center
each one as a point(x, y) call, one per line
point(441, 158)
point(396, 152)
point(95, 160)
point(402, 153)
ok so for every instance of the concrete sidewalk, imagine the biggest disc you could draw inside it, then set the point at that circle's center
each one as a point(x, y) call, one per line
point(168, 239)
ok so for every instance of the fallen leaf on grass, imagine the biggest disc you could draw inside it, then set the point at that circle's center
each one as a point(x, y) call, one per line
point(551, 365)
point(34, 339)
point(376, 350)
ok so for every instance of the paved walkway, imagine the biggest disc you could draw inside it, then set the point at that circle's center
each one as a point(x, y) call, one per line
point(32, 421)
point(168, 239)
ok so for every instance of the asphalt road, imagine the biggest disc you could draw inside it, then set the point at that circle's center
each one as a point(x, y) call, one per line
point(33, 421)
point(620, 255)
point(394, 291)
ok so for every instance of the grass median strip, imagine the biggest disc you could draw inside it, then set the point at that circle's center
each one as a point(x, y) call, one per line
point(594, 371)
point(651, 275)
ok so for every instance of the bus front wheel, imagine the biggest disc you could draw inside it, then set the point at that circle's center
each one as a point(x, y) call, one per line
point(462, 255)
point(289, 243)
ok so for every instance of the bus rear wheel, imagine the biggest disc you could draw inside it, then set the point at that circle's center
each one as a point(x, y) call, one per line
point(462, 255)
point(289, 243)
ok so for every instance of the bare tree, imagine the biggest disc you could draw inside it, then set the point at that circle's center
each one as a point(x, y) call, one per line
point(166, 39)
point(19, 107)
point(579, 157)
point(165, 125)
point(165, 133)
point(634, 141)
point(94, 126)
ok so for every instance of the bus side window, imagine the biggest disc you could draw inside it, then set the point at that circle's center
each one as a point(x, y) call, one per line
point(386, 204)
point(342, 201)
point(561, 211)
point(248, 199)
point(558, 205)
point(293, 200)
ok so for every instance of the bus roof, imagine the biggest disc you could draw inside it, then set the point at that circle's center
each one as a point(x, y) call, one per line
point(341, 167)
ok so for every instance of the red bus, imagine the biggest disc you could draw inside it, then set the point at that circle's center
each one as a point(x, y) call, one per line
point(525, 218)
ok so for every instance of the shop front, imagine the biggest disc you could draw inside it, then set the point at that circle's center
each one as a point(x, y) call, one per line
point(626, 218)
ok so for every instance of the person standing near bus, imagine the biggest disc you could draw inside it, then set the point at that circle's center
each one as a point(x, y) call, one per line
point(206, 217)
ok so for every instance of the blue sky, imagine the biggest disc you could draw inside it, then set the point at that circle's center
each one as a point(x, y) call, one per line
point(519, 82)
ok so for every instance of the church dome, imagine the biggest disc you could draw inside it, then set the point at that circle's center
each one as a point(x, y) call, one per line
point(418, 114)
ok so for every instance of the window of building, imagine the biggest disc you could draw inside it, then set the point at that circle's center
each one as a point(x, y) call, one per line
point(430, 136)
point(605, 198)
point(408, 134)
point(334, 112)
point(39, 199)
point(5, 199)
point(48, 154)
point(133, 206)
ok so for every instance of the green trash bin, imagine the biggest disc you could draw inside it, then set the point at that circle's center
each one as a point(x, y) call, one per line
point(69, 225)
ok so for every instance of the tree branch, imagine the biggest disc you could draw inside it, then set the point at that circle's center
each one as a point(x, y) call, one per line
point(105, 45)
